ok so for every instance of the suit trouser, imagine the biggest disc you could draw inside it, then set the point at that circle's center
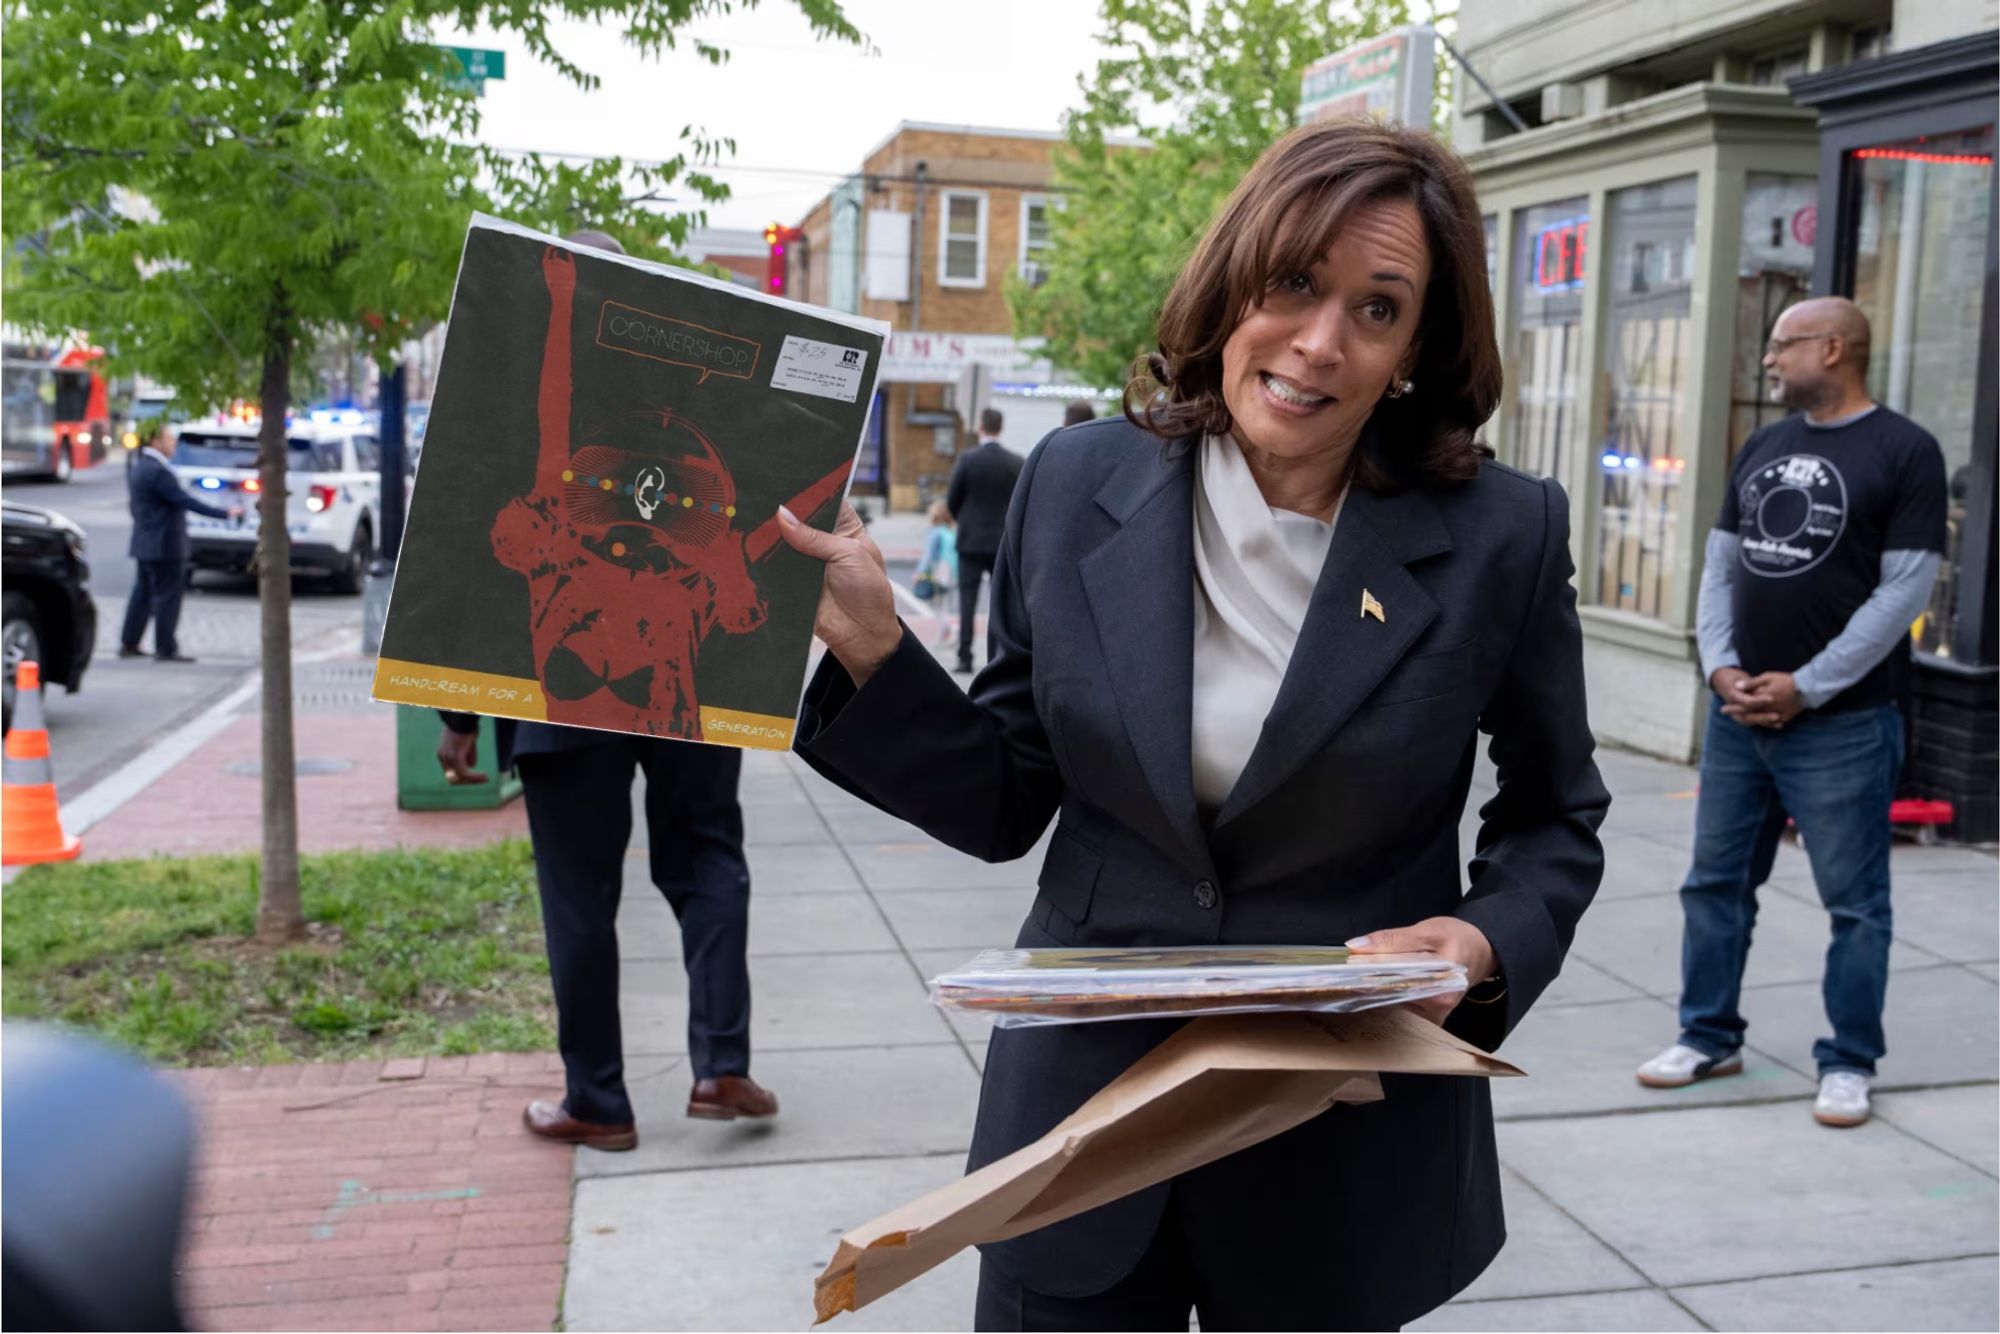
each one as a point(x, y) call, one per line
point(580, 819)
point(972, 571)
point(156, 595)
point(1169, 1282)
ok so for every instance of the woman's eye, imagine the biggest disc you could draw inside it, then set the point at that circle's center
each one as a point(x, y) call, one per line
point(1380, 309)
point(1298, 284)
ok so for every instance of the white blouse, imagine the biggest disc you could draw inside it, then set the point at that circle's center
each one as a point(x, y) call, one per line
point(1254, 572)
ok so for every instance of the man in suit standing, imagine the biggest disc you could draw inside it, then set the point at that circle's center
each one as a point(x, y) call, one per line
point(577, 785)
point(982, 484)
point(159, 546)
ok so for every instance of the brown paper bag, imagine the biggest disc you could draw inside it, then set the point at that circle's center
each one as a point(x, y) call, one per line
point(1217, 1085)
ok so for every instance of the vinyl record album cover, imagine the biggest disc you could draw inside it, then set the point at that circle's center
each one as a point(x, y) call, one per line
point(593, 534)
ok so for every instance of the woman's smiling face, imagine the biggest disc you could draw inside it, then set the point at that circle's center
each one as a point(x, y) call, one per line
point(1303, 370)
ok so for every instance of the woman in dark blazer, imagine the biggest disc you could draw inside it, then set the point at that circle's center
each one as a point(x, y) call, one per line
point(1242, 643)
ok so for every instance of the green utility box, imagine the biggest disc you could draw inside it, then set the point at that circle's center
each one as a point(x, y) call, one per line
point(420, 784)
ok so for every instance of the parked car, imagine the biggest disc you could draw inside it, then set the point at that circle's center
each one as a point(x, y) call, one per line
point(333, 508)
point(50, 617)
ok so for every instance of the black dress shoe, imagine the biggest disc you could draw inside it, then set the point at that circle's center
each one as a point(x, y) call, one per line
point(551, 1120)
point(130, 651)
point(172, 657)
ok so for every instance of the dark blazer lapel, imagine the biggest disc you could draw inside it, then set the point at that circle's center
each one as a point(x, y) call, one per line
point(1140, 585)
point(1343, 653)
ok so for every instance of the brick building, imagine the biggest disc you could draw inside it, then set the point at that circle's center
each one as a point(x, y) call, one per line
point(927, 234)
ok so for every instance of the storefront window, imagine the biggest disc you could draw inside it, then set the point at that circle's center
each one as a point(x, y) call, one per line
point(1919, 254)
point(1774, 270)
point(1552, 248)
point(1648, 354)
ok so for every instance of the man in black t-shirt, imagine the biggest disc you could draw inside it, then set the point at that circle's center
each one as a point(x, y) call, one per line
point(1825, 550)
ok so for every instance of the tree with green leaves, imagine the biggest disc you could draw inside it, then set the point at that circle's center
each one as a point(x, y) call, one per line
point(1210, 84)
point(208, 189)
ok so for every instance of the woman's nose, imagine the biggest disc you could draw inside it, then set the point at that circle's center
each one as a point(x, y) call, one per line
point(1317, 338)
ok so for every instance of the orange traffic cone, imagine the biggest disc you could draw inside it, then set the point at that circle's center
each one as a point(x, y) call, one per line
point(30, 825)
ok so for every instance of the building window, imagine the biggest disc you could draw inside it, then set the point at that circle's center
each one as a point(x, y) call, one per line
point(1490, 224)
point(1871, 41)
point(1648, 354)
point(1773, 270)
point(1919, 251)
point(1034, 239)
point(962, 240)
point(1552, 244)
point(1768, 71)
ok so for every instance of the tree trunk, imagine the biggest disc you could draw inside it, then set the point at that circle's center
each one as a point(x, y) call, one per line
point(280, 916)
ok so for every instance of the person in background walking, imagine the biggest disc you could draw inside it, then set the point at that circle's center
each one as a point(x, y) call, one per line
point(1826, 549)
point(982, 483)
point(937, 571)
point(159, 546)
point(1078, 412)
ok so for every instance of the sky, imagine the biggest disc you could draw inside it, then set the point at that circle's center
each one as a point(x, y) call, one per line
point(803, 112)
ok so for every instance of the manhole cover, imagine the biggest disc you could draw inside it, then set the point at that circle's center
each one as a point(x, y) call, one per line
point(303, 768)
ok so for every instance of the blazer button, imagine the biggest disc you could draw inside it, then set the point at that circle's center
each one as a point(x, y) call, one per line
point(1204, 894)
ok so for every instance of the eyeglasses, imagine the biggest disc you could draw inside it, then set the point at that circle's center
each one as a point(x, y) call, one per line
point(1777, 345)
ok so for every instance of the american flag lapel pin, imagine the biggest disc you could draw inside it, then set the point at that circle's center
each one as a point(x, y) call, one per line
point(1370, 607)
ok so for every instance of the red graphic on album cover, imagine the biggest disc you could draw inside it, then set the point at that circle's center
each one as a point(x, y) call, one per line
point(634, 548)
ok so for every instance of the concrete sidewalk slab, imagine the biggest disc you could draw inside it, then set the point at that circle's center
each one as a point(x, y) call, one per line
point(1721, 1193)
point(1582, 982)
point(801, 1003)
point(834, 1103)
point(1580, 1060)
point(816, 866)
point(1639, 941)
point(1547, 1253)
point(1940, 1023)
point(917, 863)
point(1945, 1294)
point(782, 924)
point(1949, 913)
point(1958, 1121)
point(643, 1257)
point(965, 919)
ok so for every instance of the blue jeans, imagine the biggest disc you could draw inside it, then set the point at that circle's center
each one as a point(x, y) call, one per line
point(1835, 775)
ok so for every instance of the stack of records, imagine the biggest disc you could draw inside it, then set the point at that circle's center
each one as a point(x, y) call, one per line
point(1075, 986)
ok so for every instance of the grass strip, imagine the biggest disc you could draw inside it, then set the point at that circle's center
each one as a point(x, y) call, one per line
point(408, 953)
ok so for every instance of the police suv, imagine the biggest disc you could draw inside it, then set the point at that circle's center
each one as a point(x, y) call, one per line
point(333, 509)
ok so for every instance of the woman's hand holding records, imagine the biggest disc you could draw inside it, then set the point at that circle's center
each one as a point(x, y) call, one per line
point(857, 607)
point(1448, 937)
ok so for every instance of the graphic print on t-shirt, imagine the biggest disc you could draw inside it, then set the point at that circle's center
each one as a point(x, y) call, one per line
point(1793, 510)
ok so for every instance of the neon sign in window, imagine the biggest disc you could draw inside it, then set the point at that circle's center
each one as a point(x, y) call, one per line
point(1560, 250)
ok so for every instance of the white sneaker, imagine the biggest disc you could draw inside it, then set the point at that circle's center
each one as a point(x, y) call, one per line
point(1679, 1066)
point(1843, 1099)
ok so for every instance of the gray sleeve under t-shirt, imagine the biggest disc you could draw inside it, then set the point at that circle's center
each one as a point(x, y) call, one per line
point(1868, 637)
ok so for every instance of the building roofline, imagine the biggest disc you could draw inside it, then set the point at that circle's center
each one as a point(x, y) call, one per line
point(992, 132)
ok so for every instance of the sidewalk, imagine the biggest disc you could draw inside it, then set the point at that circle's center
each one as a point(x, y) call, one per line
point(1722, 1206)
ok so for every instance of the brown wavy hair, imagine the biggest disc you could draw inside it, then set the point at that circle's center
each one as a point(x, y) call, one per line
point(1280, 220)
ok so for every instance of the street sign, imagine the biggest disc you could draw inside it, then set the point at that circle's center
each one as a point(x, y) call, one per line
point(1389, 77)
point(470, 66)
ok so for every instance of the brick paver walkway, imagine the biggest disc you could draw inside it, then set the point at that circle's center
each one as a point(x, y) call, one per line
point(398, 1195)
point(210, 802)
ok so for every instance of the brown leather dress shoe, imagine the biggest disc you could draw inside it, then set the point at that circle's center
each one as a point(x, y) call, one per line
point(551, 1120)
point(726, 1097)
